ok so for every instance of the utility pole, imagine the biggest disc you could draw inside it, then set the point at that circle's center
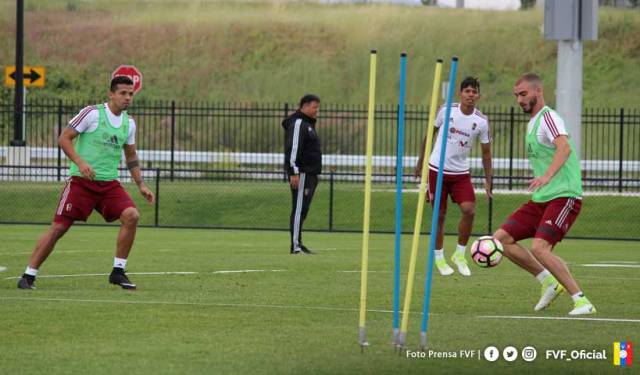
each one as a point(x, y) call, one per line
point(570, 22)
point(18, 112)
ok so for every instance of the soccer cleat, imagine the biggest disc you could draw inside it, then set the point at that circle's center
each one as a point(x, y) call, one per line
point(443, 267)
point(27, 282)
point(550, 290)
point(582, 307)
point(121, 279)
point(460, 261)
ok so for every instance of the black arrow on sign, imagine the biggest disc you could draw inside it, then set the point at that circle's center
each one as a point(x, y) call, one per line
point(33, 76)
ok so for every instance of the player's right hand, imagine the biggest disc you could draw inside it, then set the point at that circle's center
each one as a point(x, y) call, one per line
point(86, 171)
point(294, 181)
point(418, 172)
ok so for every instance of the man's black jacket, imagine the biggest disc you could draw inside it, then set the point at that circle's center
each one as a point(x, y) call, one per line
point(301, 146)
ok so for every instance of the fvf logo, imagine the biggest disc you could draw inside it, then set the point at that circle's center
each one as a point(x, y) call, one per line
point(68, 207)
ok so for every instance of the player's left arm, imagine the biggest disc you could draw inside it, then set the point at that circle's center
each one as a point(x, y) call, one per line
point(488, 168)
point(133, 164)
point(485, 143)
point(563, 150)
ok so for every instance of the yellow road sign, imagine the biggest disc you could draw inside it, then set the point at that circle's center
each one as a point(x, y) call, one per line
point(33, 76)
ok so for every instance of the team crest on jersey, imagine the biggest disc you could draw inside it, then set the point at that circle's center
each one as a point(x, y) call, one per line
point(474, 126)
point(68, 208)
point(452, 130)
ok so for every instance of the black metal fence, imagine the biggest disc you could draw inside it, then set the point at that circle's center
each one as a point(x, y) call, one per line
point(220, 165)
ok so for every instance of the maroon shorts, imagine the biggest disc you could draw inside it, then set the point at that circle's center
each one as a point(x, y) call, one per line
point(81, 196)
point(458, 186)
point(549, 220)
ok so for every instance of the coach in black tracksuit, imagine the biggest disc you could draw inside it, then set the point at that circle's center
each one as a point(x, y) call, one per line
point(303, 163)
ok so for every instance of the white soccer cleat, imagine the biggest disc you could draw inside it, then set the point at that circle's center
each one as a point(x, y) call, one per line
point(461, 262)
point(551, 289)
point(582, 307)
point(443, 267)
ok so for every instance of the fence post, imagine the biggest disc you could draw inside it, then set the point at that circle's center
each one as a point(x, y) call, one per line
point(59, 132)
point(157, 206)
point(621, 150)
point(512, 120)
point(173, 137)
point(331, 202)
point(285, 177)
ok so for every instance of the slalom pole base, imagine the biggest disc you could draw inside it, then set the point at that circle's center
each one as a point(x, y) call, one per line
point(423, 341)
point(363, 339)
point(400, 342)
point(396, 332)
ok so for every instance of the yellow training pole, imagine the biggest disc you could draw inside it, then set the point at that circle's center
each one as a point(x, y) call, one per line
point(402, 337)
point(367, 202)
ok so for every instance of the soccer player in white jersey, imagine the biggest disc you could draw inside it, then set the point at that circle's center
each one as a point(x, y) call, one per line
point(465, 125)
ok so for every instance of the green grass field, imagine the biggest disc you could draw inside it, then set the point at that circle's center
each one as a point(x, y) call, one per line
point(301, 319)
point(267, 204)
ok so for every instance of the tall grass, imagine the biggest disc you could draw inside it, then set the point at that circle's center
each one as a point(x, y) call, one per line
point(277, 51)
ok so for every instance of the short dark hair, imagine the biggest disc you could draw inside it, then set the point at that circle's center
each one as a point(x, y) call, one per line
point(120, 80)
point(531, 78)
point(309, 98)
point(470, 81)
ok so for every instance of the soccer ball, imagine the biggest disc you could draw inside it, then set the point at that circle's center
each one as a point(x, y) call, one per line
point(486, 251)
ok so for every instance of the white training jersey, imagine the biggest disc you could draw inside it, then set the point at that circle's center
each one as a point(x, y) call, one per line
point(463, 131)
point(551, 127)
point(87, 121)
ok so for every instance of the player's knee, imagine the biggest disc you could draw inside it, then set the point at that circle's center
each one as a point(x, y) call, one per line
point(540, 247)
point(504, 237)
point(58, 230)
point(130, 216)
point(468, 209)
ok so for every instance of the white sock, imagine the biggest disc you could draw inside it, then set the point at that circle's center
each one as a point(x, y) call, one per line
point(119, 263)
point(461, 249)
point(439, 254)
point(542, 275)
point(31, 271)
point(577, 296)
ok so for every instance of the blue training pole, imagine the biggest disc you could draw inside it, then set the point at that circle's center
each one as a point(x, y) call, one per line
point(399, 168)
point(436, 206)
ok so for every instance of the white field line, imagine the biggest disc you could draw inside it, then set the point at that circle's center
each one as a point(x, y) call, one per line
point(481, 274)
point(106, 274)
point(239, 305)
point(559, 318)
point(56, 252)
point(150, 273)
point(296, 307)
point(245, 271)
point(2, 269)
point(605, 265)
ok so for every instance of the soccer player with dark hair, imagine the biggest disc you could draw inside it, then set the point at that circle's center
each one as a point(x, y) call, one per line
point(465, 125)
point(555, 204)
point(94, 141)
point(303, 164)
